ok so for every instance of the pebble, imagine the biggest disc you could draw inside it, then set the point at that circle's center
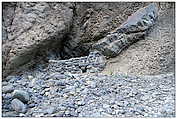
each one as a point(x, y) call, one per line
point(4, 83)
point(30, 77)
point(32, 83)
point(22, 115)
point(21, 95)
point(9, 114)
point(7, 89)
point(92, 84)
point(106, 114)
point(50, 110)
point(80, 103)
point(18, 106)
point(31, 105)
point(105, 106)
point(94, 96)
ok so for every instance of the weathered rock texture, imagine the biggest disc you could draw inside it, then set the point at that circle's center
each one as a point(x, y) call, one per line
point(155, 54)
point(37, 29)
point(93, 21)
point(18, 106)
point(83, 25)
point(95, 62)
point(71, 85)
point(35, 26)
point(129, 32)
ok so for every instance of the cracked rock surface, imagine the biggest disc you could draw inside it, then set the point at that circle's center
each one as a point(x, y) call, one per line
point(34, 26)
point(129, 32)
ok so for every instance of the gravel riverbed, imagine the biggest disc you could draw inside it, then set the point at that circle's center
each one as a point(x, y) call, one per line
point(89, 95)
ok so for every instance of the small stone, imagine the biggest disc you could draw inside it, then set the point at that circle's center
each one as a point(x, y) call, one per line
point(92, 84)
point(38, 115)
point(30, 77)
point(42, 92)
point(59, 114)
point(80, 103)
point(32, 83)
point(85, 91)
point(65, 96)
point(7, 96)
point(9, 114)
point(72, 92)
point(47, 89)
point(21, 95)
point(22, 115)
point(67, 112)
point(106, 114)
point(78, 90)
point(106, 106)
point(47, 93)
point(18, 106)
point(51, 110)
point(7, 89)
point(58, 76)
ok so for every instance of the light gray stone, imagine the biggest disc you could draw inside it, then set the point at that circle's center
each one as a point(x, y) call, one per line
point(18, 106)
point(7, 89)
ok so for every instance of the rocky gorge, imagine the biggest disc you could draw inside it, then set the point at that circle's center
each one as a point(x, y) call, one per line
point(88, 59)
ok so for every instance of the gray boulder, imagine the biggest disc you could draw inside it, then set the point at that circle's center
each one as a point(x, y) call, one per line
point(18, 106)
point(21, 95)
point(7, 89)
point(129, 32)
point(141, 20)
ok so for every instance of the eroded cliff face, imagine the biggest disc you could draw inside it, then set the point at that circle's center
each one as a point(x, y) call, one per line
point(38, 32)
point(33, 27)
point(57, 30)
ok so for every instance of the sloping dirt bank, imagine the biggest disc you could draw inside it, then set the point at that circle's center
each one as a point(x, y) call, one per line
point(153, 55)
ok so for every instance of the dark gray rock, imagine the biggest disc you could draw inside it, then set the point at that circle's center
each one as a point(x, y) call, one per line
point(141, 20)
point(129, 32)
point(18, 106)
point(21, 95)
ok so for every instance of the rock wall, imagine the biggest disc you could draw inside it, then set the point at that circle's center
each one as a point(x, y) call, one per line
point(93, 63)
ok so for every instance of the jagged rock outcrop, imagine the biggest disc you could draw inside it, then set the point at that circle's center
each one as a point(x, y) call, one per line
point(129, 32)
point(29, 35)
point(92, 22)
point(35, 26)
